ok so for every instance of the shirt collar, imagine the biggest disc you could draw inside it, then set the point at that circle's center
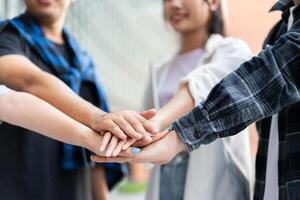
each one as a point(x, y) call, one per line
point(282, 5)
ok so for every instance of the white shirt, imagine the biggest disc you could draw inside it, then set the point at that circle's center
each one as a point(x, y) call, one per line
point(181, 66)
point(271, 188)
point(229, 159)
point(3, 90)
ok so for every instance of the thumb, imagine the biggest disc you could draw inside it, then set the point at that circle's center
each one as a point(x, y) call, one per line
point(148, 114)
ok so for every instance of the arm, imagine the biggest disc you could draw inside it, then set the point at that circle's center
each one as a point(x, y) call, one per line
point(25, 76)
point(19, 73)
point(46, 119)
point(259, 88)
point(159, 152)
point(178, 106)
point(228, 54)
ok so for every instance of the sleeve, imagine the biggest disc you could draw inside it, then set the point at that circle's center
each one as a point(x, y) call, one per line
point(11, 42)
point(227, 57)
point(3, 90)
point(259, 88)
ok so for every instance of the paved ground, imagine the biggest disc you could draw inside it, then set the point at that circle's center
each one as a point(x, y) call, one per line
point(117, 196)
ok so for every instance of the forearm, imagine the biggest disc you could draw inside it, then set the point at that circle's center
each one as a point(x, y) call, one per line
point(27, 111)
point(178, 106)
point(55, 92)
point(19, 73)
point(259, 88)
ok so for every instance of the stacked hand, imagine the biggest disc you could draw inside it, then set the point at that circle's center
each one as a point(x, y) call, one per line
point(124, 131)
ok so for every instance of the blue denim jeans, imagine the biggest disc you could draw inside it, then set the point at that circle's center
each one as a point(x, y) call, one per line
point(172, 178)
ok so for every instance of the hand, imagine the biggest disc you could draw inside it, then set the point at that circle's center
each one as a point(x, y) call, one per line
point(159, 152)
point(112, 145)
point(124, 123)
point(154, 122)
point(92, 140)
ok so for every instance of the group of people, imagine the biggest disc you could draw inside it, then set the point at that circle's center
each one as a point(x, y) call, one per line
point(209, 92)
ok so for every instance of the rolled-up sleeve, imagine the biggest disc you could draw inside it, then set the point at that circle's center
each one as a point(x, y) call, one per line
point(3, 90)
point(225, 58)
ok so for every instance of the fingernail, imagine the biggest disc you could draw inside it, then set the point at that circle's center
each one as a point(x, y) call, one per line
point(135, 150)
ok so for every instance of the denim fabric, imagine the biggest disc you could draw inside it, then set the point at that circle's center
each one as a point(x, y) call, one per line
point(172, 178)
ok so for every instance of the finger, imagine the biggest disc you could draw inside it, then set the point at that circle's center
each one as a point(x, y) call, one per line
point(148, 114)
point(160, 135)
point(140, 128)
point(115, 130)
point(118, 148)
point(128, 128)
point(147, 126)
point(106, 138)
point(130, 152)
point(150, 128)
point(128, 143)
point(143, 142)
point(136, 122)
point(99, 159)
point(111, 146)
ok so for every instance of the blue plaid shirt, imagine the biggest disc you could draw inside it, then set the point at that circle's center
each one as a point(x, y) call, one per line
point(258, 89)
point(267, 84)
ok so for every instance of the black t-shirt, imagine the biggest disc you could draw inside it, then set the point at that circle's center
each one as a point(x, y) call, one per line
point(30, 167)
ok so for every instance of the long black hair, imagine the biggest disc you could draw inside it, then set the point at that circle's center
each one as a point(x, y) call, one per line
point(216, 23)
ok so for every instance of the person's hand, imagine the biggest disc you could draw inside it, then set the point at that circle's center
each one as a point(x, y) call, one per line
point(111, 145)
point(154, 122)
point(124, 124)
point(159, 152)
point(92, 140)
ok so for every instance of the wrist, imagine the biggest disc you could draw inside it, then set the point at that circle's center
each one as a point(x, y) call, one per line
point(159, 122)
point(179, 143)
point(94, 119)
point(87, 139)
